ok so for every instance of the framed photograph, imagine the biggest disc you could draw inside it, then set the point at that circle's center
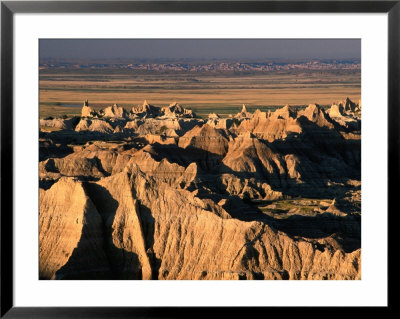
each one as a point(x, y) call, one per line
point(165, 157)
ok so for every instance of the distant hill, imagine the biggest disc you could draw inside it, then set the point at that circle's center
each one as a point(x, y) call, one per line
point(218, 66)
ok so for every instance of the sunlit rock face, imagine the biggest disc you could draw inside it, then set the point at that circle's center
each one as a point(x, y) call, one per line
point(156, 193)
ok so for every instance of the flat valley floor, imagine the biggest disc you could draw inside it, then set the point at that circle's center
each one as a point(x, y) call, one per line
point(62, 91)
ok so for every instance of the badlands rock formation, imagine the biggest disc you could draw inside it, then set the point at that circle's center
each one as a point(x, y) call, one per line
point(157, 193)
point(140, 111)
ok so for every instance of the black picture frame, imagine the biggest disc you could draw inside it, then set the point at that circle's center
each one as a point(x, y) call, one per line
point(9, 8)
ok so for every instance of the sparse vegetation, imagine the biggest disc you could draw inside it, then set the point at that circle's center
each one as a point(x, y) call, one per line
point(49, 129)
point(203, 93)
point(162, 129)
point(300, 206)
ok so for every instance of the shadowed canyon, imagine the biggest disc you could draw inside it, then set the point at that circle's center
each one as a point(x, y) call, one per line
point(156, 192)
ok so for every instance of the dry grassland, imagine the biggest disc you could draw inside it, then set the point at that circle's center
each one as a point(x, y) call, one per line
point(63, 93)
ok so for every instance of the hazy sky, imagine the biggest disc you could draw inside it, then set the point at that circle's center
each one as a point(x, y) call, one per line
point(175, 49)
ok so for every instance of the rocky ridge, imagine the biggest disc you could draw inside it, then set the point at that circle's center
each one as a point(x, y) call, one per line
point(155, 193)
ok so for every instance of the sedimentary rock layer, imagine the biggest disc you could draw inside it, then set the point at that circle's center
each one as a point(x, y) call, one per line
point(263, 195)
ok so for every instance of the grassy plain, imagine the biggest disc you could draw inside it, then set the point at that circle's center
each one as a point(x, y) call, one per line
point(63, 92)
point(305, 206)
